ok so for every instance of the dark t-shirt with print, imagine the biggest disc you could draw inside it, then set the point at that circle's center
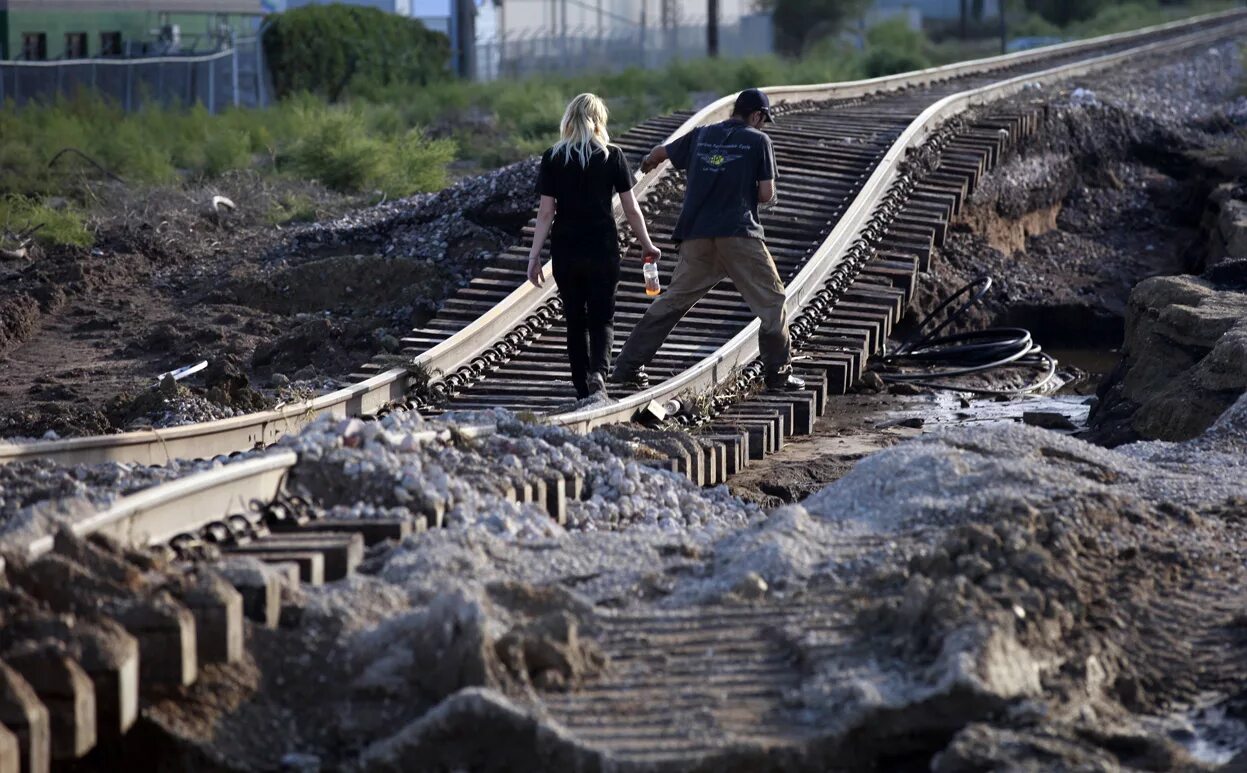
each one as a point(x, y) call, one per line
point(584, 224)
point(725, 163)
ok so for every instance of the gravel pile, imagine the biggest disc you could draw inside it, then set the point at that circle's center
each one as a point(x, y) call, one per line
point(361, 467)
point(459, 227)
point(1180, 92)
point(947, 476)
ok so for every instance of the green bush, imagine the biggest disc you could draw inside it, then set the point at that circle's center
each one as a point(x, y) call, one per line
point(331, 50)
point(338, 150)
point(799, 23)
point(56, 225)
point(893, 47)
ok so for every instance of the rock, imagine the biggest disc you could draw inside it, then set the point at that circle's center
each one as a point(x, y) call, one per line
point(750, 587)
point(225, 372)
point(905, 388)
point(299, 762)
point(909, 422)
point(871, 381)
point(279, 380)
point(1185, 361)
point(1048, 420)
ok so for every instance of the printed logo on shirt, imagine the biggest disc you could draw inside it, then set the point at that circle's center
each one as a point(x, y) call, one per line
point(716, 156)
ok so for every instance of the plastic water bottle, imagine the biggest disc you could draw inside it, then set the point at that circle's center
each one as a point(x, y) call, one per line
point(652, 285)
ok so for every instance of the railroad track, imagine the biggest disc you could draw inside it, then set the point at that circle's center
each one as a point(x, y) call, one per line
point(872, 173)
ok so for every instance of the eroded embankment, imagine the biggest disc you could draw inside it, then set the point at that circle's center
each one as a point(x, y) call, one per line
point(1123, 183)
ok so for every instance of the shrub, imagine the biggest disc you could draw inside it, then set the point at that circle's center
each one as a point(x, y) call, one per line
point(338, 150)
point(418, 164)
point(332, 49)
point(57, 225)
point(893, 47)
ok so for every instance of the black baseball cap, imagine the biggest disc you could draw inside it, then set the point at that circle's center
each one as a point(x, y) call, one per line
point(750, 100)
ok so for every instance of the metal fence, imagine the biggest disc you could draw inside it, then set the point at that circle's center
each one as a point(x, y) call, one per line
point(235, 77)
point(590, 50)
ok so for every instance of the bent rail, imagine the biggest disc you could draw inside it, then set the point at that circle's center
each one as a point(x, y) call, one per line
point(259, 429)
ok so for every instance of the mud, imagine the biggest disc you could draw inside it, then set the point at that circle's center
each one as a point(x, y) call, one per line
point(291, 310)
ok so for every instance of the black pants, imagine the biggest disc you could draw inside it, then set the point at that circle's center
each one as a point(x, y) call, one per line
point(587, 289)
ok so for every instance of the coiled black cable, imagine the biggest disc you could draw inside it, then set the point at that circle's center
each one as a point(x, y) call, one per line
point(928, 358)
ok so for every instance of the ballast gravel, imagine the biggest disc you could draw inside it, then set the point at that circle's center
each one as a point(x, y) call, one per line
point(358, 467)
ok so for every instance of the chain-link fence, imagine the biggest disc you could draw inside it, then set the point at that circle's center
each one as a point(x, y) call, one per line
point(236, 77)
point(590, 50)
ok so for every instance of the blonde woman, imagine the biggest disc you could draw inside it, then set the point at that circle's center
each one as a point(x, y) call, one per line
point(578, 180)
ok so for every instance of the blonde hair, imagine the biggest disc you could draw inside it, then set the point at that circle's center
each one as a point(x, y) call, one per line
point(583, 129)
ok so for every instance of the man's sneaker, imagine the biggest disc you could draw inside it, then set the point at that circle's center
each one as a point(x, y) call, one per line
point(784, 382)
point(636, 378)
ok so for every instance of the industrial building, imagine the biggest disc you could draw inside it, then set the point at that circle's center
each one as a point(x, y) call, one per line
point(38, 30)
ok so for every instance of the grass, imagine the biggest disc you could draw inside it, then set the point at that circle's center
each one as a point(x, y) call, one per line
point(62, 225)
point(292, 208)
point(347, 148)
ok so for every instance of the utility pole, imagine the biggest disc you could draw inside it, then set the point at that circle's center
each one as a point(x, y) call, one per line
point(965, 13)
point(563, 30)
point(669, 14)
point(1004, 33)
point(712, 28)
point(642, 30)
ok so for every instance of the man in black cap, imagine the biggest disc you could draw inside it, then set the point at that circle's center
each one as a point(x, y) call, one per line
point(731, 170)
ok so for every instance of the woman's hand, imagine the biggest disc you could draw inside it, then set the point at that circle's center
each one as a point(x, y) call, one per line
point(650, 252)
point(534, 270)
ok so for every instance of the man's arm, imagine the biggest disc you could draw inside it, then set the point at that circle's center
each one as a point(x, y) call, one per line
point(767, 173)
point(655, 157)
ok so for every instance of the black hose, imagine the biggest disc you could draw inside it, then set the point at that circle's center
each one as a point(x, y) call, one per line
point(927, 357)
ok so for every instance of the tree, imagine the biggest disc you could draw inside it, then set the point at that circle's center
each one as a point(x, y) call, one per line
point(329, 49)
point(798, 23)
point(1062, 12)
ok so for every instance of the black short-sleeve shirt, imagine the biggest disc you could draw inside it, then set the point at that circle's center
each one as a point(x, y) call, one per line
point(584, 223)
point(725, 162)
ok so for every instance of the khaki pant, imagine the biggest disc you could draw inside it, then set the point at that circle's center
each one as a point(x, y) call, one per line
point(703, 264)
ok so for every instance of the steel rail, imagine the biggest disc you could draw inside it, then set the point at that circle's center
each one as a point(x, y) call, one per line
point(155, 515)
point(235, 434)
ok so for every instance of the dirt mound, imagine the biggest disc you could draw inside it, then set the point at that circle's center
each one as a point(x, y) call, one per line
point(343, 284)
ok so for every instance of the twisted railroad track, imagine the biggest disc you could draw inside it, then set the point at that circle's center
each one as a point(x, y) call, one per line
point(872, 172)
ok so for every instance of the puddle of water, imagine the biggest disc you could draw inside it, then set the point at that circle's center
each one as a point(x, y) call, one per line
point(1097, 362)
point(948, 409)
